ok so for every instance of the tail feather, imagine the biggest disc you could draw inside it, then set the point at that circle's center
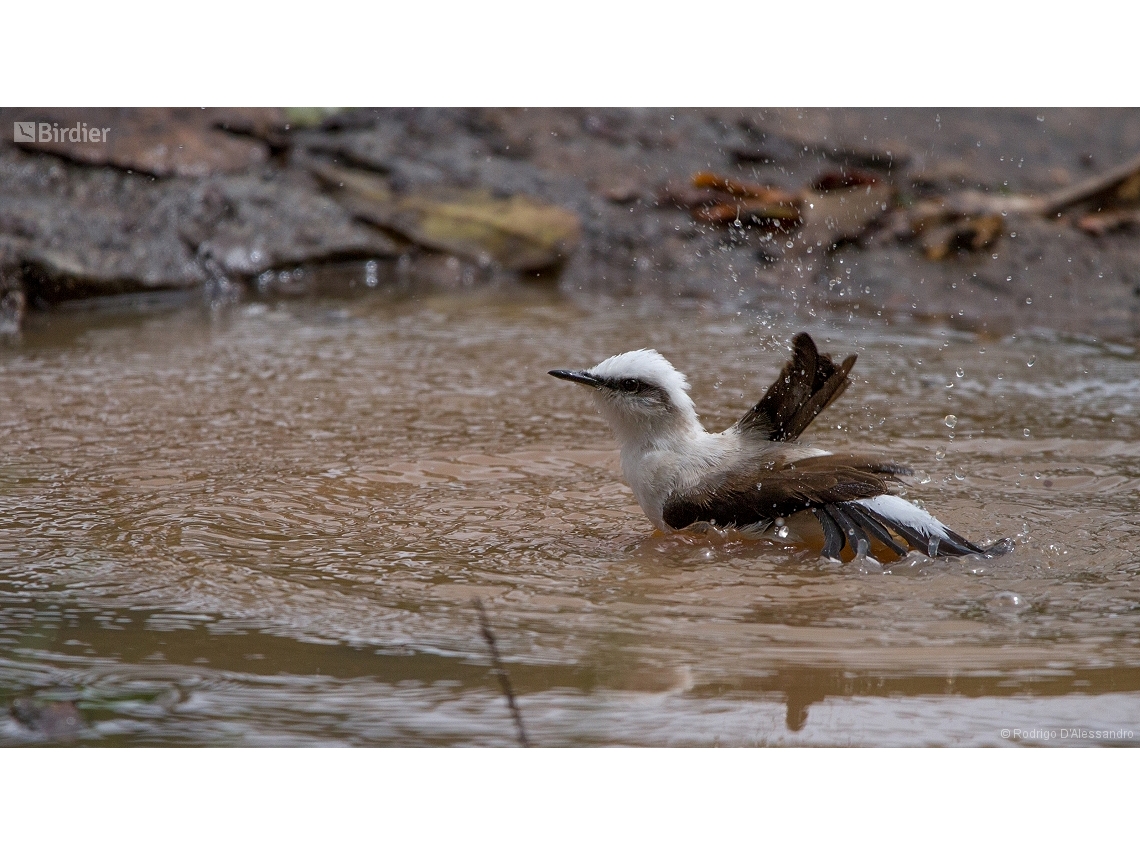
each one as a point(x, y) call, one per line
point(873, 527)
point(833, 538)
point(856, 537)
point(888, 519)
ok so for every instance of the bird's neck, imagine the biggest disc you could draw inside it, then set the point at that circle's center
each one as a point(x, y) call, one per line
point(677, 433)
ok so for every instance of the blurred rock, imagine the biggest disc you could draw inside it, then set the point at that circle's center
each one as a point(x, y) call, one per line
point(59, 721)
point(841, 213)
point(248, 224)
point(69, 232)
point(12, 303)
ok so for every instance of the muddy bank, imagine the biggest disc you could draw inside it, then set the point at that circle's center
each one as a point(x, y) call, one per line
point(996, 220)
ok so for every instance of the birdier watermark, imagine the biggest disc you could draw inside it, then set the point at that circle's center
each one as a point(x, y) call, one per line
point(1045, 734)
point(31, 132)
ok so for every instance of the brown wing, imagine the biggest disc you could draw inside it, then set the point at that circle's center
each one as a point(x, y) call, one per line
point(830, 487)
point(809, 383)
point(763, 492)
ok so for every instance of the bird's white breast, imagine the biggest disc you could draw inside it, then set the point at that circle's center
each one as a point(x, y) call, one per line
point(674, 464)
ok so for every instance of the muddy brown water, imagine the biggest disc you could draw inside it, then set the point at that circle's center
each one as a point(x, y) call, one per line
point(266, 525)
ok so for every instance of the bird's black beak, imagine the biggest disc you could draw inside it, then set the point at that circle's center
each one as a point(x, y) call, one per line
point(577, 376)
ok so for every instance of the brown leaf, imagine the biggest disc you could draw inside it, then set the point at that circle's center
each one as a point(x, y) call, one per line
point(722, 213)
point(969, 220)
point(965, 232)
point(517, 233)
point(743, 189)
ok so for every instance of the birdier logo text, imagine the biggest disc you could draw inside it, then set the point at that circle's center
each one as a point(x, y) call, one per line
point(30, 132)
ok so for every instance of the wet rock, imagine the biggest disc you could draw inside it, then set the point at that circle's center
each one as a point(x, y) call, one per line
point(12, 301)
point(71, 232)
point(1043, 274)
point(249, 224)
point(74, 232)
point(59, 721)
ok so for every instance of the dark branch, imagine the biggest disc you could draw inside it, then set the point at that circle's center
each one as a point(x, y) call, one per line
point(501, 672)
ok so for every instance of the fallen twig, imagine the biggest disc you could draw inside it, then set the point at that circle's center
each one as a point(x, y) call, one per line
point(501, 672)
point(1067, 197)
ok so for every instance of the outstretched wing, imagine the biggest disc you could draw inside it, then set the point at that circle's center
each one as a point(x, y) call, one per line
point(767, 490)
point(848, 495)
point(808, 384)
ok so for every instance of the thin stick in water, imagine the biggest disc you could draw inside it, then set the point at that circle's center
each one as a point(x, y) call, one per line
point(501, 672)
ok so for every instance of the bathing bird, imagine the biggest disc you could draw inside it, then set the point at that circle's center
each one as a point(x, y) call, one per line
point(755, 475)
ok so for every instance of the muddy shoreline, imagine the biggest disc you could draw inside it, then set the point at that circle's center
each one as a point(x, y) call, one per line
point(993, 220)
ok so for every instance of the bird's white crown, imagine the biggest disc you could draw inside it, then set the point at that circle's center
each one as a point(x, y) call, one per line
point(646, 365)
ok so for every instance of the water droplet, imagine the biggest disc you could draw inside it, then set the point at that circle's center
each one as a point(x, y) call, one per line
point(782, 531)
point(940, 454)
point(1032, 361)
point(951, 420)
point(1025, 432)
point(1029, 301)
point(960, 373)
point(1008, 600)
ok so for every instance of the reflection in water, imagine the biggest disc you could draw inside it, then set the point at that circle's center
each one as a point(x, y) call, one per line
point(268, 526)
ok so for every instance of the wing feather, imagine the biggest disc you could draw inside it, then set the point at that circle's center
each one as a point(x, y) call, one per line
point(765, 491)
point(807, 385)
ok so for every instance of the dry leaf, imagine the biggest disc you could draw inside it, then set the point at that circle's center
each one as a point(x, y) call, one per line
point(966, 232)
point(722, 213)
point(517, 233)
point(743, 189)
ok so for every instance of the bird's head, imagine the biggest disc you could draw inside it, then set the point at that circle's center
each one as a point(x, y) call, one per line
point(639, 394)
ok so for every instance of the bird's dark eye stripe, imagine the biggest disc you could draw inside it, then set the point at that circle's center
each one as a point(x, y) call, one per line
point(630, 385)
point(633, 386)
